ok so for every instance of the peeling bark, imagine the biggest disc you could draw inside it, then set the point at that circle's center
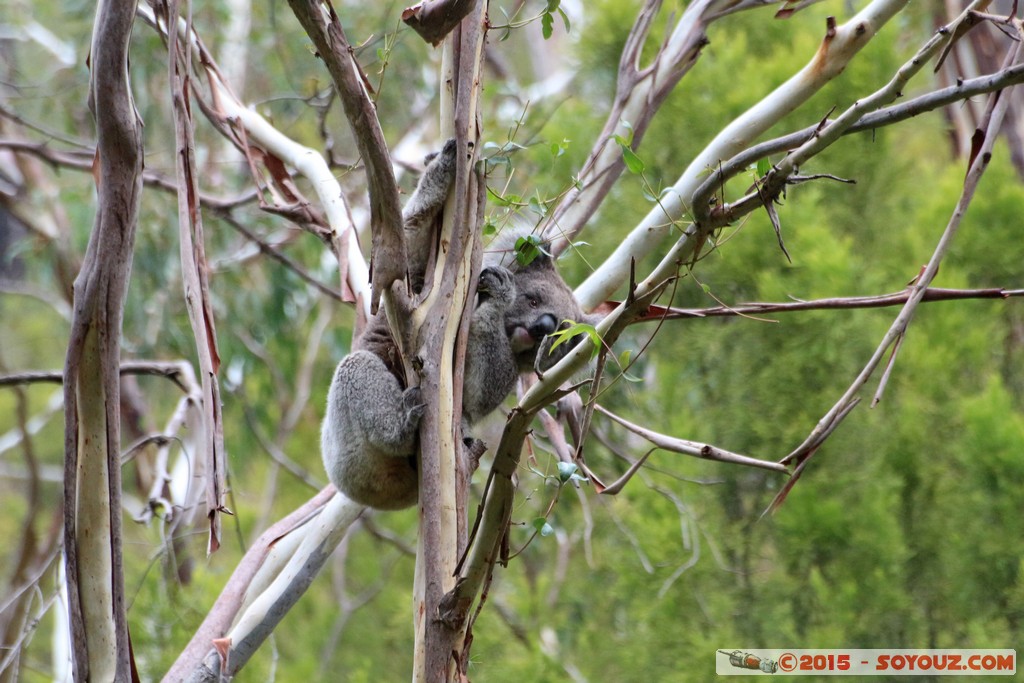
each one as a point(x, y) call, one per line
point(92, 465)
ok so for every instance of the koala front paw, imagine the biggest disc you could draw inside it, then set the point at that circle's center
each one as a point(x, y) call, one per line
point(496, 283)
point(444, 156)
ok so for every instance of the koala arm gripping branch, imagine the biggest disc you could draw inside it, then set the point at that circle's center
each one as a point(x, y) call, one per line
point(490, 370)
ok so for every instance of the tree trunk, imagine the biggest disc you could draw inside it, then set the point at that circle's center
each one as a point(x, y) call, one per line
point(92, 467)
point(443, 469)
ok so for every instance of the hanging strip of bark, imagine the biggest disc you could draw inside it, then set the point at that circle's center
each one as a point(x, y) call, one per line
point(195, 279)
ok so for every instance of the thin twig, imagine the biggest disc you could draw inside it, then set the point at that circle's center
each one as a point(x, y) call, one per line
point(932, 294)
point(998, 103)
point(268, 249)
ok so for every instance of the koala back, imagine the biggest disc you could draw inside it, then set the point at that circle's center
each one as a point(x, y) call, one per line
point(370, 430)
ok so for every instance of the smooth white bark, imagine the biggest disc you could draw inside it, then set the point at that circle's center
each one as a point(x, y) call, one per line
point(833, 55)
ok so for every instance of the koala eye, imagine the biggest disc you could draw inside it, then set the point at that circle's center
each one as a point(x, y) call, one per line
point(533, 300)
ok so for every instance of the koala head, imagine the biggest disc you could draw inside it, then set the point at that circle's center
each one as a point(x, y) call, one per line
point(543, 304)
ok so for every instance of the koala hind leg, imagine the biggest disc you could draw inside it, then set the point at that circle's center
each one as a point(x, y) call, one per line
point(422, 209)
point(369, 434)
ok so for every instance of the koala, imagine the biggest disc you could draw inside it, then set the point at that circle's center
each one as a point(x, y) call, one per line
point(370, 430)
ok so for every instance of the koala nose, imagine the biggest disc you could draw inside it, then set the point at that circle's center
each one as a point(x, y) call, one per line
point(543, 326)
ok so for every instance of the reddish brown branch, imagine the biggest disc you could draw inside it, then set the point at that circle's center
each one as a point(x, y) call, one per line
point(657, 313)
point(221, 206)
point(195, 274)
point(172, 371)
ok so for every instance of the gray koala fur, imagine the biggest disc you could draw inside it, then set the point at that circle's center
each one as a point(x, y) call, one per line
point(369, 435)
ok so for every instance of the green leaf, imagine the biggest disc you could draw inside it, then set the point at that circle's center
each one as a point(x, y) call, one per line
point(498, 199)
point(537, 206)
point(565, 19)
point(490, 228)
point(566, 470)
point(559, 148)
point(633, 162)
point(629, 129)
point(528, 248)
point(574, 329)
point(546, 23)
point(763, 166)
point(507, 25)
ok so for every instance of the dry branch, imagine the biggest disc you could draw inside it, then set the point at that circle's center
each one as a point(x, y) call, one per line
point(887, 116)
point(388, 262)
point(641, 89)
point(692, 448)
point(769, 188)
point(81, 160)
point(221, 206)
point(985, 138)
point(932, 294)
point(267, 147)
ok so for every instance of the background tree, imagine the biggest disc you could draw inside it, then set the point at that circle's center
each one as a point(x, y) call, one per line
point(897, 532)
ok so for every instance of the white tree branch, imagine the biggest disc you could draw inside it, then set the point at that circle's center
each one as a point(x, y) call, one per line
point(840, 45)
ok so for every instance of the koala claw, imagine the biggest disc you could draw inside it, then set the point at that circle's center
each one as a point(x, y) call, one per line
point(475, 449)
point(447, 151)
point(412, 401)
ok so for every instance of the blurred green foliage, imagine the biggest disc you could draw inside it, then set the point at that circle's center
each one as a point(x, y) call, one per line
point(905, 530)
